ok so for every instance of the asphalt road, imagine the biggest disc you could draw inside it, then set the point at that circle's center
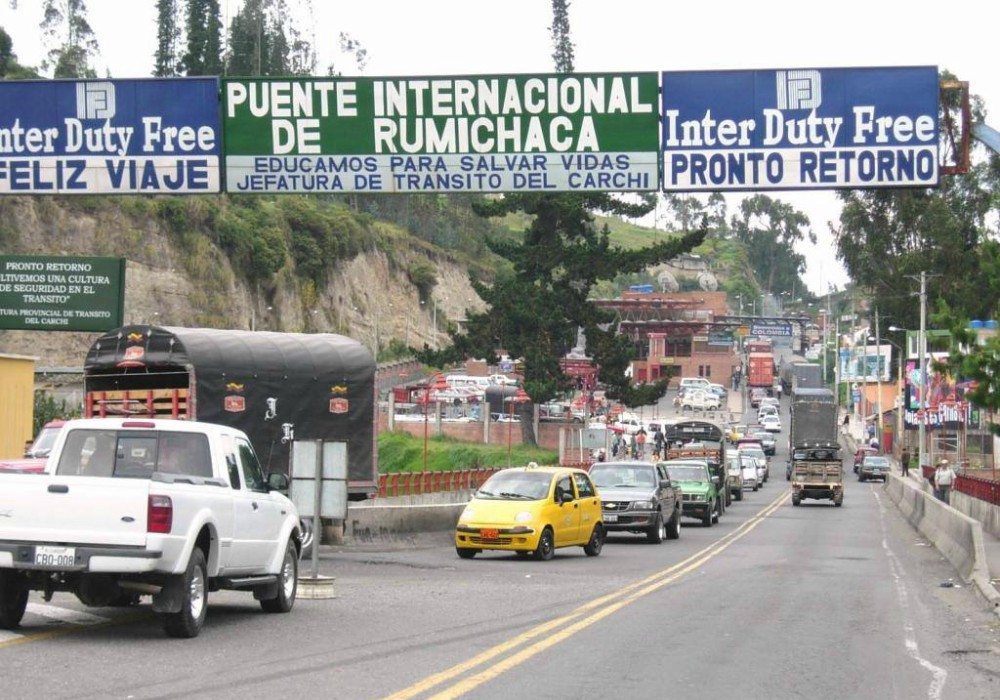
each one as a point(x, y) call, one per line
point(773, 602)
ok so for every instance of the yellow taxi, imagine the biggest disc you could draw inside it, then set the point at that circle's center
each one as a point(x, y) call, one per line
point(532, 510)
point(736, 432)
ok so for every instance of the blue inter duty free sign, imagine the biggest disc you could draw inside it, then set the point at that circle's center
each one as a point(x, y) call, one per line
point(800, 129)
point(150, 136)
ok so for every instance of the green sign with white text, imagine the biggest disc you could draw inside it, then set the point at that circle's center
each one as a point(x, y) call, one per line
point(560, 132)
point(48, 293)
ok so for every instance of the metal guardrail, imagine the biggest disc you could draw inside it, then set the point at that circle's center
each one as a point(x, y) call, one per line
point(984, 489)
point(419, 483)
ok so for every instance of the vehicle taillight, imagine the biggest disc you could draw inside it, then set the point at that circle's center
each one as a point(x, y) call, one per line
point(160, 516)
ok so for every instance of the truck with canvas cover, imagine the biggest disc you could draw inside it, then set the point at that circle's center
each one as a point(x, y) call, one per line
point(278, 388)
point(806, 375)
point(817, 472)
point(814, 417)
point(703, 440)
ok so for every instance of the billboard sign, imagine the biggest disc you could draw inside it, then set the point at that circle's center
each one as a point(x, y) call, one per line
point(800, 129)
point(48, 293)
point(771, 329)
point(518, 133)
point(865, 363)
point(109, 136)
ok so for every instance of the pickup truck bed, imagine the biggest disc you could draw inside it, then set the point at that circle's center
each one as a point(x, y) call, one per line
point(143, 507)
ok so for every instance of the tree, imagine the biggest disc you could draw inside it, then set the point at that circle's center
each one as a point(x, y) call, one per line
point(536, 312)
point(769, 230)
point(888, 236)
point(71, 41)
point(265, 40)
point(168, 36)
point(204, 38)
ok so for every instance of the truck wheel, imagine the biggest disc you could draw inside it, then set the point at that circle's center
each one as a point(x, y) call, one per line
point(729, 497)
point(657, 531)
point(596, 541)
point(719, 508)
point(755, 487)
point(13, 599)
point(674, 525)
point(288, 583)
point(706, 521)
point(739, 494)
point(546, 545)
point(188, 621)
point(796, 500)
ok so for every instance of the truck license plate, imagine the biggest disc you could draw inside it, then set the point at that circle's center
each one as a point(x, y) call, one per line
point(55, 557)
point(610, 518)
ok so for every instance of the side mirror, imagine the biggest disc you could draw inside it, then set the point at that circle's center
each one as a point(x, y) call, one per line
point(276, 481)
point(715, 480)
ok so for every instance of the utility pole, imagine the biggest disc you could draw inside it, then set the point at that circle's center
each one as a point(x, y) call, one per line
point(878, 377)
point(922, 360)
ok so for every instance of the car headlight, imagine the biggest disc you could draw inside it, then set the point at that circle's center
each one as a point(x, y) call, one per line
point(643, 505)
point(466, 514)
point(524, 517)
point(699, 497)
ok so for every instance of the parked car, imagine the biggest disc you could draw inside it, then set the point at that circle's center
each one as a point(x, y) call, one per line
point(700, 400)
point(771, 423)
point(765, 438)
point(702, 496)
point(874, 466)
point(860, 454)
point(719, 390)
point(693, 383)
point(532, 510)
point(638, 497)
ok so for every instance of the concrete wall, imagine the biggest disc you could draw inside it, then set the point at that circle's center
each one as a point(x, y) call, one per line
point(384, 524)
point(986, 513)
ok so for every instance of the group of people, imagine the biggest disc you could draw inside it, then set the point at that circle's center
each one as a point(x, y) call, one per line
point(942, 480)
point(634, 445)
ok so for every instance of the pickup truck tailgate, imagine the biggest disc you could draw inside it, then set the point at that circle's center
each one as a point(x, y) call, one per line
point(73, 509)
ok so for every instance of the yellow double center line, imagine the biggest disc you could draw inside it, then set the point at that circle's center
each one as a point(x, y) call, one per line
point(562, 628)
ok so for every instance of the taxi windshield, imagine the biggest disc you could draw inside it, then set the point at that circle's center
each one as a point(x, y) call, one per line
point(516, 485)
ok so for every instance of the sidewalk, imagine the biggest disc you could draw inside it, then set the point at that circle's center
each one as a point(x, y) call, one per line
point(991, 543)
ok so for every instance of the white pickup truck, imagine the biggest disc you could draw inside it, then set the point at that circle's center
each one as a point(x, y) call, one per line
point(172, 509)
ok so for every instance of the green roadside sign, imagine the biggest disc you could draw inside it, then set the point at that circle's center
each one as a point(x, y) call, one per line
point(49, 293)
point(557, 132)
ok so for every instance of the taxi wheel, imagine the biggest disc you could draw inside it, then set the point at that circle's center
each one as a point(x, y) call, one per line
point(596, 542)
point(546, 545)
point(466, 553)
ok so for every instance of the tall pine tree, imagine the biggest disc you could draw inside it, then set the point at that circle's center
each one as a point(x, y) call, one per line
point(168, 35)
point(204, 38)
point(71, 41)
point(535, 313)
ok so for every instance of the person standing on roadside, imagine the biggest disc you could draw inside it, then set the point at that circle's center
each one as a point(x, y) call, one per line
point(904, 462)
point(944, 477)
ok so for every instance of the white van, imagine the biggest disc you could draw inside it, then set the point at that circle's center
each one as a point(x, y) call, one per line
point(694, 383)
point(463, 380)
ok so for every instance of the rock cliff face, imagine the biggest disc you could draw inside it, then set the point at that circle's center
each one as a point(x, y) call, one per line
point(186, 281)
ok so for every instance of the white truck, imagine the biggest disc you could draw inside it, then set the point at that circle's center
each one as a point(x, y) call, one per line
point(130, 507)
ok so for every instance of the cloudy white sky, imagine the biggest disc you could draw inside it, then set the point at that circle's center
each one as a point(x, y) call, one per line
point(446, 37)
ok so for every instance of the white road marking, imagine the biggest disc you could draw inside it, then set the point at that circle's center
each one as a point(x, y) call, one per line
point(73, 617)
point(939, 675)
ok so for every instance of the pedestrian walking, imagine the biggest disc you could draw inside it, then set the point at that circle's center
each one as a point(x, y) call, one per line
point(640, 442)
point(944, 477)
point(904, 462)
